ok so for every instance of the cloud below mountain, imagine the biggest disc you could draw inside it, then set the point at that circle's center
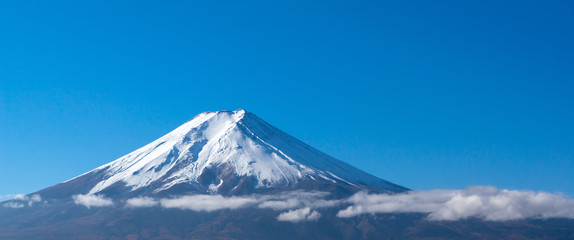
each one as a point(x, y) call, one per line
point(485, 202)
point(297, 215)
point(13, 205)
point(207, 203)
point(297, 199)
point(21, 200)
point(92, 200)
point(142, 202)
point(299, 203)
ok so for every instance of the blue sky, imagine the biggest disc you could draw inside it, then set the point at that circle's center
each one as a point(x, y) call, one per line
point(423, 94)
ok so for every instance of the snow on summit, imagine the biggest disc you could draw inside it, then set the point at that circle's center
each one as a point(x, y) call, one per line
point(215, 149)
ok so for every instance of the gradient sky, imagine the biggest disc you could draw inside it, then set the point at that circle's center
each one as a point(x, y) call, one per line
point(425, 95)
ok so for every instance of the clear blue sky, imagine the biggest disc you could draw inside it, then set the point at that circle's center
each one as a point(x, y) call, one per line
point(423, 94)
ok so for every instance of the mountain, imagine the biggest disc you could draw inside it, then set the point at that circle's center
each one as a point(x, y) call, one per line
point(231, 175)
point(224, 152)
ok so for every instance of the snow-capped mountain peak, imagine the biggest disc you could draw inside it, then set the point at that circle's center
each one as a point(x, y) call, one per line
point(219, 151)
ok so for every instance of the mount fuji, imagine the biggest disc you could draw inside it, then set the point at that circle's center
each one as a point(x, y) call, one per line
point(231, 175)
point(223, 152)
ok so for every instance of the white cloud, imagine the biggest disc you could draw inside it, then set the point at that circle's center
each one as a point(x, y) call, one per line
point(303, 202)
point(92, 200)
point(280, 204)
point(35, 198)
point(19, 196)
point(21, 200)
point(7, 196)
point(142, 202)
point(297, 199)
point(13, 205)
point(207, 203)
point(285, 201)
point(302, 214)
point(488, 203)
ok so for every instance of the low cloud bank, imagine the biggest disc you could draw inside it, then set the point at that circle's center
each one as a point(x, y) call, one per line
point(21, 200)
point(299, 203)
point(207, 203)
point(303, 214)
point(297, 199)
point(485, 202)
point(489, 203)
point(13, 205)
point(284, 201)
point(142, 202)
point(92, 200)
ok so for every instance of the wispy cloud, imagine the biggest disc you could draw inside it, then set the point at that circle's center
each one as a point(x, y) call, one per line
point(142, 202)
point(207, 203)
point(21, 200)
point(488, 203)
point(92, 200)
point(7, 196)
point(297, 215)
point(300, 204)
point(13, 205)
point(297, 199)
point(285, 201)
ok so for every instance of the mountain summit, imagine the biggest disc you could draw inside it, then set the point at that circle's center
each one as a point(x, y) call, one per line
point(223, 152)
